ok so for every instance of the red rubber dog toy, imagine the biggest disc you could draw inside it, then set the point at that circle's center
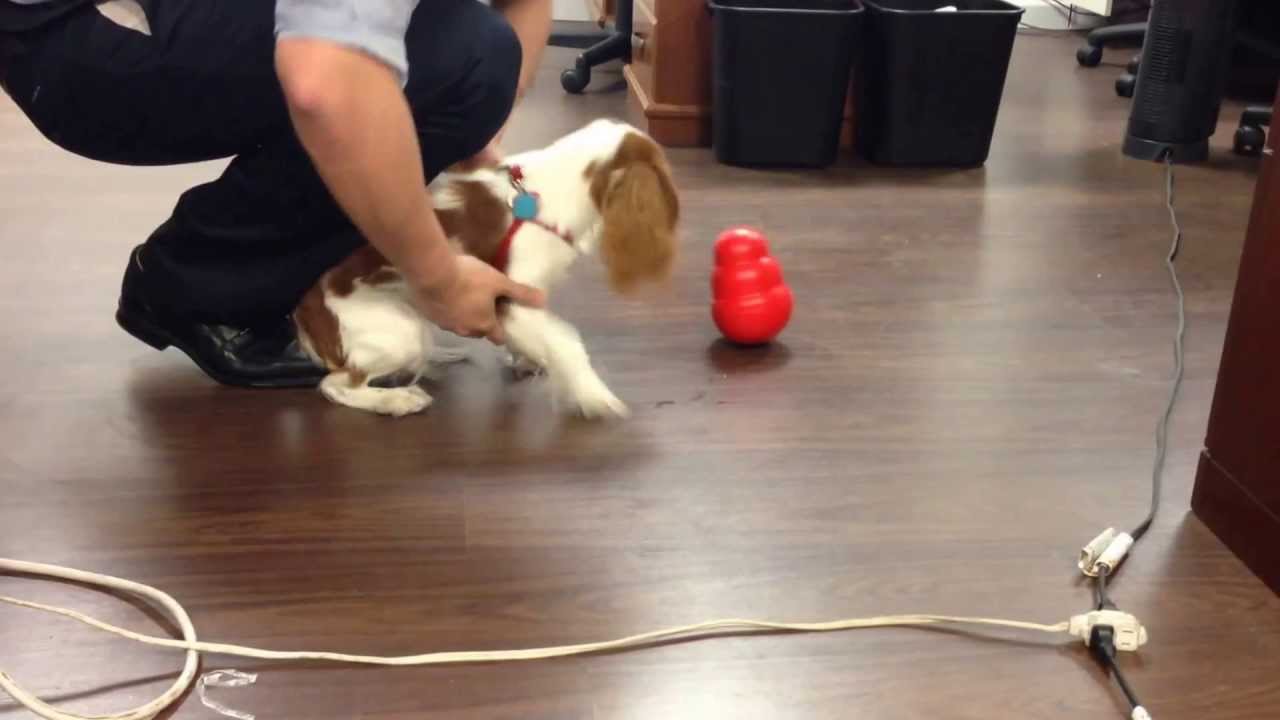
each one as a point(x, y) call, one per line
point(751, 303)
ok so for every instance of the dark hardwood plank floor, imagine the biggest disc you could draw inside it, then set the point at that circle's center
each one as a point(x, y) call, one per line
point(966, 394)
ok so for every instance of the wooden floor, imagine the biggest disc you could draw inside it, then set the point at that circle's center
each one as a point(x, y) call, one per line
point(966, 394)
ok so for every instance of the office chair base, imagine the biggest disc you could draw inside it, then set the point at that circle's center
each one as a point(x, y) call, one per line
point(1154, 151)
point(1249, 141)
point(576, 79)
point(1089, 56)
point(615, 47)
point(577, 40)
point(1125, 85)
point(1251, 136)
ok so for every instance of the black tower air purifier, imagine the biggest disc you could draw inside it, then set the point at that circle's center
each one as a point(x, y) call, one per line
point(1185, 58)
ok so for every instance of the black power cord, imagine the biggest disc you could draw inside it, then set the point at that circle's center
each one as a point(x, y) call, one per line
point(1102, 637)
point(1103, 648)
point(1101, 601)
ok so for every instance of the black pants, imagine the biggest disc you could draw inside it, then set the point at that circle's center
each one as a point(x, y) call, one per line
point(242, 249)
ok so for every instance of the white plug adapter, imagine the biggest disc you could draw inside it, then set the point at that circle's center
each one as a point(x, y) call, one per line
point(1129, 633)
point(1115, 554)
point(1090, 553)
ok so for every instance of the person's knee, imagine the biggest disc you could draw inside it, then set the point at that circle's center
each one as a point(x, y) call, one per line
point(464, 71)
point(496, 79)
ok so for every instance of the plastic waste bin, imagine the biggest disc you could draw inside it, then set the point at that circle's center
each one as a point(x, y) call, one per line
point(932, 76)
point(781, 74)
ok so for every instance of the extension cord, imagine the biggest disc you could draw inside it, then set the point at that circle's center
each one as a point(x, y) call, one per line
point(193, 647)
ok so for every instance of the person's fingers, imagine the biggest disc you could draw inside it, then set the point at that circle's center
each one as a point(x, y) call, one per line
point(525, 295)
point(497, 336)
point(467, 329)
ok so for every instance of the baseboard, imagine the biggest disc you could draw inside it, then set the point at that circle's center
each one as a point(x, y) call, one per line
point(670, 125)
point(1239, 520)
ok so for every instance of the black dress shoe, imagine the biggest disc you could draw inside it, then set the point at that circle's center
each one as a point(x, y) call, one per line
point(261, 357)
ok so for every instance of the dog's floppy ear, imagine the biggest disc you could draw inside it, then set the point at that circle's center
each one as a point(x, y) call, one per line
point(641, 209)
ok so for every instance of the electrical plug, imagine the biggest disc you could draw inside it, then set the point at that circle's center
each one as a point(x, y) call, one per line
point(1128, 635)
point(1105, 553)
point(1090, 553)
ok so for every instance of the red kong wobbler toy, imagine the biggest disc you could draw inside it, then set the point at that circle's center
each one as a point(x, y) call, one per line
point(751, 304)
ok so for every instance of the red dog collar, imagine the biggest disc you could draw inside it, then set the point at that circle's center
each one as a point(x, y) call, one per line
point(503, 254)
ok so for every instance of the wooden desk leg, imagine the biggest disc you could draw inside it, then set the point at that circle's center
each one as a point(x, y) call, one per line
point(1237, 490)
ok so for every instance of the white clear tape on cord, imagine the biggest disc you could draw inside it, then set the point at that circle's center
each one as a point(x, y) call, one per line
point(225, 679)
point(193, 647)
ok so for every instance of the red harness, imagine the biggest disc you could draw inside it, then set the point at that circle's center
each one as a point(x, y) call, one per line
point(502, 256)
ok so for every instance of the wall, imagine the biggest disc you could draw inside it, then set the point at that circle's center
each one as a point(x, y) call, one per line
point(1041, 13)
point(1102, 7)
point(570, 10)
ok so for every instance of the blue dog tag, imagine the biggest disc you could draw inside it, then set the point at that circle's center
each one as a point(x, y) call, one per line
point(525, 206)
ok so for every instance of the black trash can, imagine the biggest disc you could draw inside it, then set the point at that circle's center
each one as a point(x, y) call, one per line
point(931, 80)
point(781, 72)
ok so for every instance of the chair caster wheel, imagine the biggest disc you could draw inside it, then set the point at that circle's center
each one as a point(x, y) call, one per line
point(1089, 56)
point(1250, 140)
point(1125, 85)
point(575, 79)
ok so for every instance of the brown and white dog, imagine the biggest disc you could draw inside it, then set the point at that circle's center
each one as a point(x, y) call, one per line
point(605, 189)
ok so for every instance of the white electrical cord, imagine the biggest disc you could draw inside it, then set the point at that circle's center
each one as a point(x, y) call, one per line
point(194, 647)
point(171, 606)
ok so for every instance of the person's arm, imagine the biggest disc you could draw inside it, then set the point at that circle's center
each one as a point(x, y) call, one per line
point(531, 19)
point(352, 117)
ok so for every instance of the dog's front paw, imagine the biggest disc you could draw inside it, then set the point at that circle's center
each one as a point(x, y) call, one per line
point(597, 402)
point(522, 368)
point(403, 401)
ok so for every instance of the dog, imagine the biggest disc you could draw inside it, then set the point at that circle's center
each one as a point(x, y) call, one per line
point(605, 189)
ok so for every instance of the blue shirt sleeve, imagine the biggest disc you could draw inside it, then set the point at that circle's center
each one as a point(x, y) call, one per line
point(376, 27)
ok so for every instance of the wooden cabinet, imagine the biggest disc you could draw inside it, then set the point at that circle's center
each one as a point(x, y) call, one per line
point(1237, 490)
point(669, 76)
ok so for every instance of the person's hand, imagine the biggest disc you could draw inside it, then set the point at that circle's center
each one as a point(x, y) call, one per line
point(467, 304)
